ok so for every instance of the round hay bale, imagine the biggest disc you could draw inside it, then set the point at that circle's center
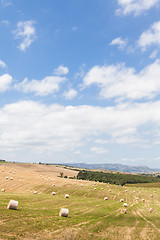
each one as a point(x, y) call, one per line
point(35, 192)
point(64, 212)
point(3, 190)
point(67, 196)
point(124, 211)
point(11, 178)
point(121, 200)
point(151, 210)
point(124, 204)
point(151, 195)
point(137, 198)
point(6, 177)
point(143, 200)
point(106, 198)
point(102, 188)
point(134, 191)
point(53, 193)
point(75, 183)
point(95, 188)
point(53, 185)
point(12, 205)
point(109, 190)
point(126, 190)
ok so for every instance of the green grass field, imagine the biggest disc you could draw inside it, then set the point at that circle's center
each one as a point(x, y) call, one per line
point(90, 216)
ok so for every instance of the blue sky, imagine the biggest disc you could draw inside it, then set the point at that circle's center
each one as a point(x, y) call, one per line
point(80, 81)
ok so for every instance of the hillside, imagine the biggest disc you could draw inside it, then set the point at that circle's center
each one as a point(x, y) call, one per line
point(90, 216)
point(115, 167)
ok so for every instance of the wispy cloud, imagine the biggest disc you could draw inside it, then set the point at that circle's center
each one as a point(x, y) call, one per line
point(2, 64)
point(136, 7)
point(75, 28)
point(119, 42)
point(98, 150)
point(154, 54)
point(26, 32)
point(150, 36)
point(61, 70)
point(101, 141)
point(4, 22)
point(44, 87)
point(5, 3)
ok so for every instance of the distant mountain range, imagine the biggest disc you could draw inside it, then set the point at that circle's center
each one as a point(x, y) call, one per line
point(115, 167)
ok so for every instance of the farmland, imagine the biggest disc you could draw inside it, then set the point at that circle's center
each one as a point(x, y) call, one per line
point(90, 216)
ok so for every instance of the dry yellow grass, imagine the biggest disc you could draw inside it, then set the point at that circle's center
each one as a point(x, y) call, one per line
point(24, 175)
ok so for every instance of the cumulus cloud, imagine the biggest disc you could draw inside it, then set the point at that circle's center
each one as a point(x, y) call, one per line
point(70, 94)
point(56, 128)
point(5, 81)
point(120, 82)
point(61, 70)
point(48, 85)
point(119, 42)
point(2, 64)
point(26, 32)
point(150, 37)
point(135, 6)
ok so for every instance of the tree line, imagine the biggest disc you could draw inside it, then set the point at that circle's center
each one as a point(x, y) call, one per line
point(116, 178)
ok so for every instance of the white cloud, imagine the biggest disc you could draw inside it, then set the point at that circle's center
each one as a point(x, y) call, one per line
point(26, 32)
point(70, 94)
point(120, 82)
point(48, 85)
point(101, 141)
point(61, 70)
point(119, 42)
point(50, 129)
point(98, 150)
point(154, 54)
point(2, 64)
point(135, 6)
point(150, 37)
point(4, 22)
point(5, 81)
point(5, 3)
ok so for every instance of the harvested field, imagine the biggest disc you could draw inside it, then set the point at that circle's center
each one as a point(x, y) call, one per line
point(90, 217)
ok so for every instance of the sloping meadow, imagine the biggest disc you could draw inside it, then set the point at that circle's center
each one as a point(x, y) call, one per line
point(90, 216)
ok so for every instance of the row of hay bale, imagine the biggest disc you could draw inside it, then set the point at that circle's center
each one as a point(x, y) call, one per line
point(64, 212)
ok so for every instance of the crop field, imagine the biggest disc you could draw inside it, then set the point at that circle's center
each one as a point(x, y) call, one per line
point(90, 216)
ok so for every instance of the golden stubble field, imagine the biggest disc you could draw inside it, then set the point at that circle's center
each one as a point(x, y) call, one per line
point(90, 216)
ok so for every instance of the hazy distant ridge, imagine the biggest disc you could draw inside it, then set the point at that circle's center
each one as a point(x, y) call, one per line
point(116, 167)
